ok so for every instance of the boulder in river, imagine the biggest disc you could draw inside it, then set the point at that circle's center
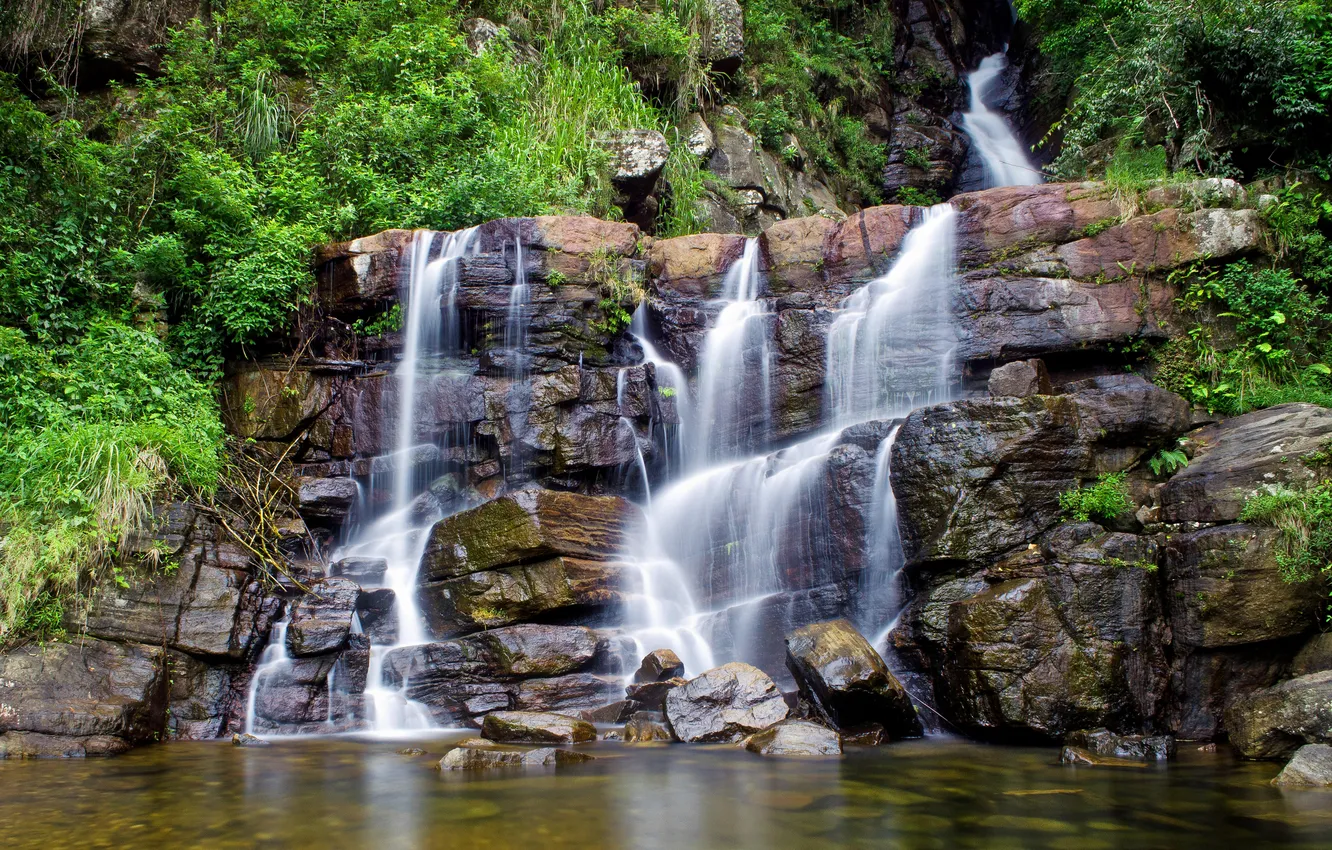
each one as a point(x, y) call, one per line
point(795, 738)
point(646, 726)
point(1087, 758)
point(468, 758)
point(658, 666)
point(725, 704)
point(1276, 721)
point(1103, 742)
point(536, 727)
point(846, 681)
point(1310, 767)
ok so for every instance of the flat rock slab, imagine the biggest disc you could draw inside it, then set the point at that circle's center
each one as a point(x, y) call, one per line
point(725, 704)
point(536, 727)
point(796, 738)
point(1103, 742)
point(468, 758)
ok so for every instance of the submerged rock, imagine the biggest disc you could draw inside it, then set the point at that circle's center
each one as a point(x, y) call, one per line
point(247, 740)
point(536, 727)
point(1310, 767)
point(658, 666)
point(1275, 721)
point(646, 726)
point(795, 738)
point(725, 704)
point(467, 758)
point(846, 681)
point(1103, 742)
point(1087, 758)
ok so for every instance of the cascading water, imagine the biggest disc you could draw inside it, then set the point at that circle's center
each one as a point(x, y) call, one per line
point(738, 548)
point(734, 399)
point(672, 388)
point(431, 335)
point(515, 344)
point(1005, 162)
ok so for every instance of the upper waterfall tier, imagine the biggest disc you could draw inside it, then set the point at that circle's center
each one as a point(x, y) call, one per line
point(1004, 160)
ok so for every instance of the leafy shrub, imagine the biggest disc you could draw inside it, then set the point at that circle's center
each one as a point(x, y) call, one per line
point(1304, 519)
point(1107, 499)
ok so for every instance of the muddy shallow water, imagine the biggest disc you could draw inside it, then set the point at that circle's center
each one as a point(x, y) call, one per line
point(932, 793)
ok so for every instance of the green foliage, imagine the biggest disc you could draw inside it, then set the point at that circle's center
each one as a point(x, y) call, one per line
point(1107, 499)
point(91, 432)
point(390, 321)
point(913, 197)
point(1211, 81)
point(916, 158)
point(804, 65)
point(1168, 461)
point(1304, 519)
point(1258, 338)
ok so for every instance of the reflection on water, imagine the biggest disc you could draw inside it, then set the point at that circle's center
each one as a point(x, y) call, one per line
point(926, 794)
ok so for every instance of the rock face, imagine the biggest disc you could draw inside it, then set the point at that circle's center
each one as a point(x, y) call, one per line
point(1232, 459)
point(528, 553)
point(1310, 767)
point(536, 727)
point(1020, 379)
point(795, 738)
point(64, 700)
point(726, 703)
point(529, 667)
point(847, 682)
point(1274, 722)
point(1103, 742)
point(977, 478)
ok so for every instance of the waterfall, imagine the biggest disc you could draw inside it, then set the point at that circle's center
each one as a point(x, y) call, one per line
point(430, 336)
point(727, 550)
point(890, 349)
point(734, 399)
point(672, 388)
point(515, 344)
point(1006, 163)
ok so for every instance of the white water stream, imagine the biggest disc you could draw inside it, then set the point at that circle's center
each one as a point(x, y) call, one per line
point(738, 524)
point(1005, 161)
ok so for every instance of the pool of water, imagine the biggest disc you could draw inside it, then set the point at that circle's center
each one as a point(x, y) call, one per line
point(338, 792)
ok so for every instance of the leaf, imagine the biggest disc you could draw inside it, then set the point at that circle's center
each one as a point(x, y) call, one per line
point(1279, 317)
point(1321, 368)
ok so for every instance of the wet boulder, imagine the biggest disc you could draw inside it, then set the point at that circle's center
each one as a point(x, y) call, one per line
point(615, 712)
point(1020, 379)
point(645, 726)
point(652, 695)
point(473, 758)
point(1314, 657)
point(322, 618)
point(536, 727)
point(248, 740)
point(525, 526)
point(514, 652)
point(1103, 742)
point(1310, 767)
point(846, 681)
point(1276, 721)
point(327, 499)
point(658, 666)
point(1231, 460)
point(795, 738)
point(726, 703)
point(367, 572)
point(1077, 756)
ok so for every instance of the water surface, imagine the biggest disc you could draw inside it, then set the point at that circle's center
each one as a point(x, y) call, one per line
point(334, 793)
